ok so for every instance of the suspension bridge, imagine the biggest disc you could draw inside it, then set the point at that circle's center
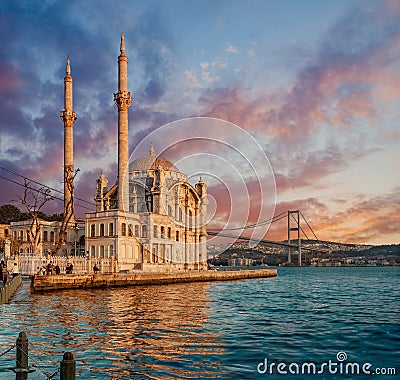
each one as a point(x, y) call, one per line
point(294, 237)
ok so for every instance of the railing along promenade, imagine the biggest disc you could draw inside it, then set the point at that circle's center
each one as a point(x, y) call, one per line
point(8, 290)
point(30, 264)
point(67, 368)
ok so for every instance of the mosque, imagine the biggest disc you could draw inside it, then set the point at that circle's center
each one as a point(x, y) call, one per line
point(152, 218)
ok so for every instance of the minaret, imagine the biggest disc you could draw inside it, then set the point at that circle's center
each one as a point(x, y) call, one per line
point(123, 100)
point(201, 189)
point(68, 117)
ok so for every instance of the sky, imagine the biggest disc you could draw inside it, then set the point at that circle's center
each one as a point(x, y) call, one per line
point(278, 105)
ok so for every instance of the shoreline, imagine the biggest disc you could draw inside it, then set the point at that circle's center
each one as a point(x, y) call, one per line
point(45, 283)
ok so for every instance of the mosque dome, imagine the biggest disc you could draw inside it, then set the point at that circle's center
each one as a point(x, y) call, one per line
point(152, 162)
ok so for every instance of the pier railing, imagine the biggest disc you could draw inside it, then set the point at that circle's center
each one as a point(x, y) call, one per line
point(30, 264)
point(8, 290)
point(67, 367)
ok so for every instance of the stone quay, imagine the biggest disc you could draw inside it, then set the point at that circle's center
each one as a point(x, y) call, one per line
point(86, 281)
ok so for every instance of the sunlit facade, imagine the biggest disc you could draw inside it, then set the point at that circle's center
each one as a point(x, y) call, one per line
point(164, 227)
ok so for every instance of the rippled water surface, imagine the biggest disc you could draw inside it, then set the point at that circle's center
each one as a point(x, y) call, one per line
point(211, 330)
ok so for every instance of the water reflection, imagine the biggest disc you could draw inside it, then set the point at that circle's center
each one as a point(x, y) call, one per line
point(124, 333)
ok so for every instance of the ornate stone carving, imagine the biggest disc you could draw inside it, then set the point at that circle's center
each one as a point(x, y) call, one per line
point(68, 118)
point(123, 100)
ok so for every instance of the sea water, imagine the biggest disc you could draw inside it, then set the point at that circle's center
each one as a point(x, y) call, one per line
point(333, 323)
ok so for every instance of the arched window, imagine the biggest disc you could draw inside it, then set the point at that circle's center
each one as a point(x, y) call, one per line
point(102, 251)
point(111, 249)
point(51, 236)
point(92, 230)
point(144, 231)
point(130, 230)
point(169, 232)
point(155, 232)
point(136, 230)
point(111, 229)
point(102, 229)
point(92, 251)
point(123, 229)
point(45, 236)
point(163, 232)
point(190, 219)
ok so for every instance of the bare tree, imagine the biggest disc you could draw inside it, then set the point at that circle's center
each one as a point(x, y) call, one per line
point(34, 200)
point(68, 208)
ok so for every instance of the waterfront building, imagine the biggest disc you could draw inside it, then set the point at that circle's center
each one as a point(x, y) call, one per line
point(20, 242)
point(152, 218)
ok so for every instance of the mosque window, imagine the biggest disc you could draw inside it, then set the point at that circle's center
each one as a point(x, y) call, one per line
point(123, 229)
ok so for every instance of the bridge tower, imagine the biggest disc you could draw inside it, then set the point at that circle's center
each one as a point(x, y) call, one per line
point(294, 226)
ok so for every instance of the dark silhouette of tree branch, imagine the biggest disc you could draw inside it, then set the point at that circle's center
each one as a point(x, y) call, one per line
point(34, 200)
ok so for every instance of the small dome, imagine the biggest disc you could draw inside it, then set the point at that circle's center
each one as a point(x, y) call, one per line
point(152, 162)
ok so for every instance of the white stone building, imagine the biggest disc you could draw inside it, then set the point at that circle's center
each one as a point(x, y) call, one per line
point(165, 223)
point(48, 237)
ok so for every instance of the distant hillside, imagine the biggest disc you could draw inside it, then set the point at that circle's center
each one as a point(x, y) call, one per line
point(275, 255)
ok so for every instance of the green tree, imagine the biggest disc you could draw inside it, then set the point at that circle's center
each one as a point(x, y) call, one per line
point(9, 213)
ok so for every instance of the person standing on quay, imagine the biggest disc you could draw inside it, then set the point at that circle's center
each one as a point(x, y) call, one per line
point(15, 271)
point(4, 272)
